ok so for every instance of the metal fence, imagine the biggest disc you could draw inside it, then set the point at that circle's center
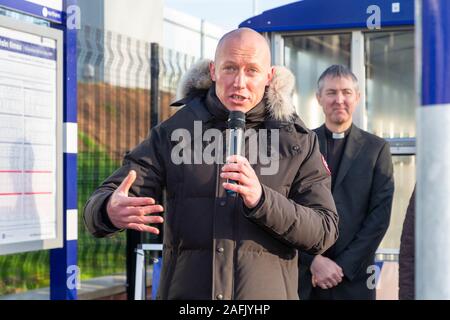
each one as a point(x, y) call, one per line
point(114, 77)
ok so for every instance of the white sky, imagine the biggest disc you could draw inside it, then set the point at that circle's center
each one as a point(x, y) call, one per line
point(224, 13)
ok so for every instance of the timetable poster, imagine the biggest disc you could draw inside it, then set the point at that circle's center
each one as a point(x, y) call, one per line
point(28, 84)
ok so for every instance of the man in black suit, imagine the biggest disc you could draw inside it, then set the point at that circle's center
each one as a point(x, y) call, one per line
point(363, 188)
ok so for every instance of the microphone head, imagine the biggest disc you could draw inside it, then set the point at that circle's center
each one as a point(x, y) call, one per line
point(236, 120)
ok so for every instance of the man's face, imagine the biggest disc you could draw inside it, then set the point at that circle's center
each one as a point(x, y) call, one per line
point(338, 99)
point(241, 71)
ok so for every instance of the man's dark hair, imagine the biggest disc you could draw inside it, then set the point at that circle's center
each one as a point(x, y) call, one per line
point(336, 71)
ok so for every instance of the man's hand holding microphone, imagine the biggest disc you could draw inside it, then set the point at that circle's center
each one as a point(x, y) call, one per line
point(241, 178)
point(248, 186)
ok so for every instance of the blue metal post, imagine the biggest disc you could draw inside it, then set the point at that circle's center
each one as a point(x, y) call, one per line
point(64, 272)
point(433, 150)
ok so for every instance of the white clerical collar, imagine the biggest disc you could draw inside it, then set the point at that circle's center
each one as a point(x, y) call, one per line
point(338, 135)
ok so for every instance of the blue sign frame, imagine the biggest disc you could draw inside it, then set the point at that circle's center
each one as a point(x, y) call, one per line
point(64, 270)
point(34, 9)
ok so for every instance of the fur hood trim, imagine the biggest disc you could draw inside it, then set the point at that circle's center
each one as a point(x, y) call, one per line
point(279, 92)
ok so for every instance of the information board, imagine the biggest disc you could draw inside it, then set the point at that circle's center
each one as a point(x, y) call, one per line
point(30, 137)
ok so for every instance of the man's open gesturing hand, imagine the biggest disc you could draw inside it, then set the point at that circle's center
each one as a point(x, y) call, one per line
point(132, 212)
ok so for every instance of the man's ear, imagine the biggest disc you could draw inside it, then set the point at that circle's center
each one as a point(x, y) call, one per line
point(212, 70)
point(270, 75)
point(358, 97)
point(318, 98)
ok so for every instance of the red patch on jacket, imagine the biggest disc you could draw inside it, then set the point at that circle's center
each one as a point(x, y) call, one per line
point(325, 164)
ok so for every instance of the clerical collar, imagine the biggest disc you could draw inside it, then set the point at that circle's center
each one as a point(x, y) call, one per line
point(337, 136)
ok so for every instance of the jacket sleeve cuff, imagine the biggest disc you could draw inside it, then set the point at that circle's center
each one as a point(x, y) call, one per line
point(96, 217)
point(347, 267)
point(105, 217)
point(306, 259)
point(251, 212)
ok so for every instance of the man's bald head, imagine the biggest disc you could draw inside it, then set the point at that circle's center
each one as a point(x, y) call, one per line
point(241, 69)
point(244, 37)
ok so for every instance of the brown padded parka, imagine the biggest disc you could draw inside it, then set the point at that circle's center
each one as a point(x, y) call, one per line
point(214, 247)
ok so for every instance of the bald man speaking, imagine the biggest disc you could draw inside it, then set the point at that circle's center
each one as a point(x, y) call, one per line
point(233, 221)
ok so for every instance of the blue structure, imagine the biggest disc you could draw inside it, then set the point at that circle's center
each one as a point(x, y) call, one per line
point(435, 48)
point(35, 9)
point(433, 176)
point(64, 273)
point(327, 15)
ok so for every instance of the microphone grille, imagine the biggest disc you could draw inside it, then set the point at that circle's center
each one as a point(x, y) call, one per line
point(236, 119)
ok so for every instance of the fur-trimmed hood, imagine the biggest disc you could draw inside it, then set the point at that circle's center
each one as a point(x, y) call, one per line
point(279, 93)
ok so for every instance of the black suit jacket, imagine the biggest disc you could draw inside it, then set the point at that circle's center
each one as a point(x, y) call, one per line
point(363, 194)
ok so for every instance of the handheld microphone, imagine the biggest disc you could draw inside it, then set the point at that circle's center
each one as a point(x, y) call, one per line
point(235, 143)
